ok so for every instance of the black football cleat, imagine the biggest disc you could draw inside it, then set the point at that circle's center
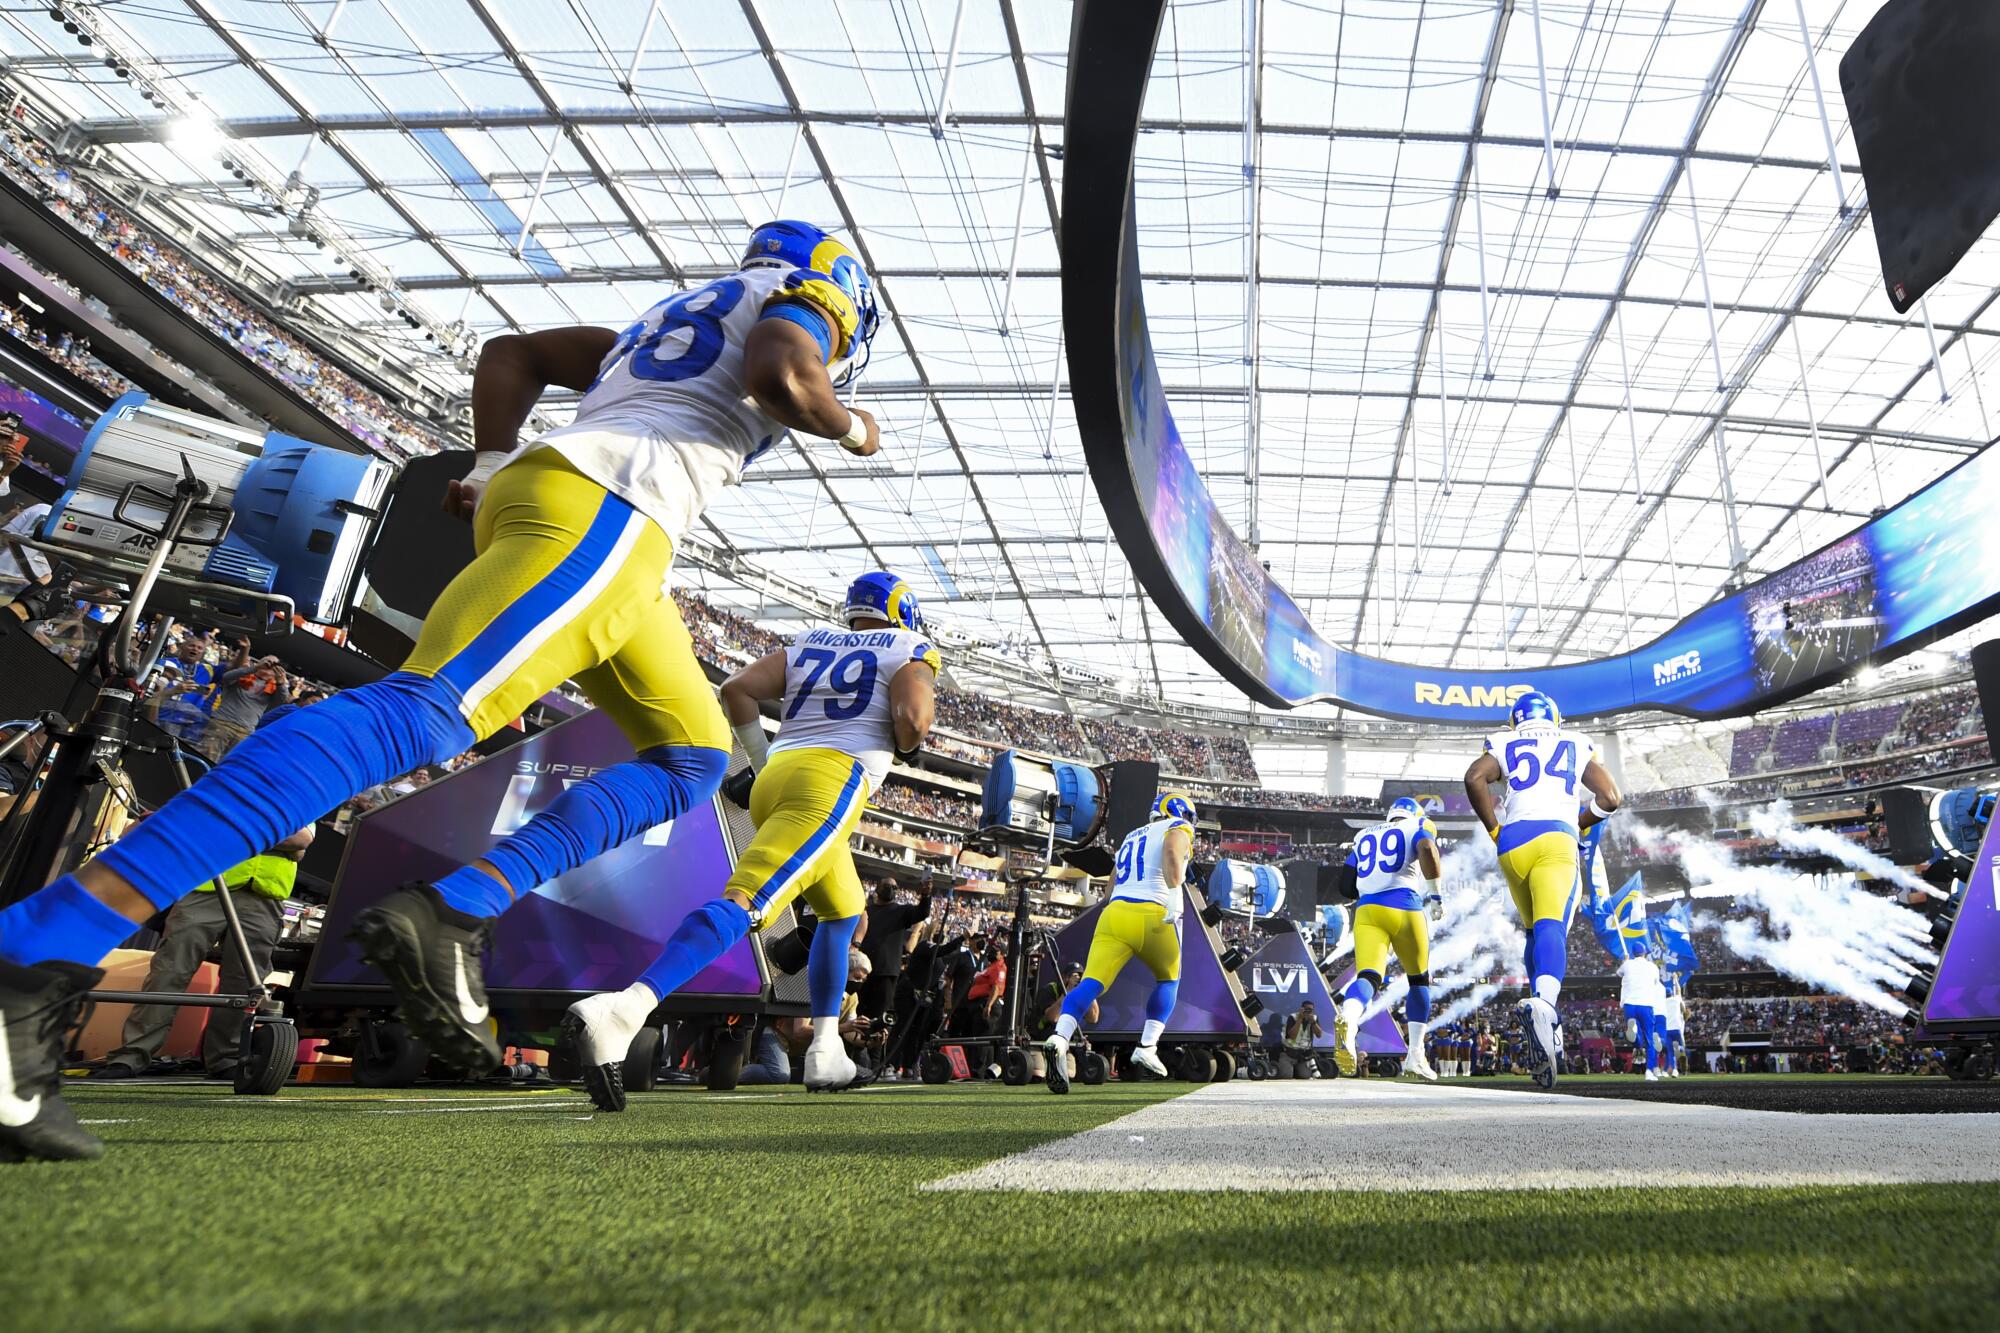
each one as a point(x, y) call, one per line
point(39, 1004)
point(429, 952)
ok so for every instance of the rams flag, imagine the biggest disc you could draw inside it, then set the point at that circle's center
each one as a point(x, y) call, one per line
point(1673, 936)
point(1620, 921)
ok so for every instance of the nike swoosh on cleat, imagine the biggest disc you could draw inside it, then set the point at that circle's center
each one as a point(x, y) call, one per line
point(472, 1014)
point(15, 1111)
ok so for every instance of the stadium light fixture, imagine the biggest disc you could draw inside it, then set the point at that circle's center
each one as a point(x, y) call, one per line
point(195, 134)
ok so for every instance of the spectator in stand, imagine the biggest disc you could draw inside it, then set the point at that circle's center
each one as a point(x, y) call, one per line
point(242, 697)
point(184, 691)
point(20, 564)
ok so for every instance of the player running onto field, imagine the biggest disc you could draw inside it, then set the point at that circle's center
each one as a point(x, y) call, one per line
point(850, 698)
point(574, 532)
point(1544, 767)
point(1141, 919)
point(1389, 861)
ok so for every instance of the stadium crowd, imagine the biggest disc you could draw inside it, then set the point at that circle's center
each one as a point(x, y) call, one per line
point(178, 278)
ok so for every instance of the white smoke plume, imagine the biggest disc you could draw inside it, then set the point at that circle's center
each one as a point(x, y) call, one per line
point(1826, 931)
point(1477, 938)
point(1775, 821)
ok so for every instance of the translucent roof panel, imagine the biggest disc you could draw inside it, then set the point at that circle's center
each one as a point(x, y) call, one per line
point(1502, 358)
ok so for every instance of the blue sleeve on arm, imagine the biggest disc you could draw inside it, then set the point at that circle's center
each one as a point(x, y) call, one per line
point(809, 319)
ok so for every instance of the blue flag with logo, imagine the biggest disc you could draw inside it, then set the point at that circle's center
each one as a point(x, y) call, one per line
point(1673, 937)
point(1620, 921)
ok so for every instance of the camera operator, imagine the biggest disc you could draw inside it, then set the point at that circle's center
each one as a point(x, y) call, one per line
point(1295, 1060)
point(888, 939)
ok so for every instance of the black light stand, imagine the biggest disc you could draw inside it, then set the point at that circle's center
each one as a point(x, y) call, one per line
point(84, 773)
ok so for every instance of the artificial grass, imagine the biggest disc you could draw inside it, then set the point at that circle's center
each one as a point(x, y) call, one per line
point(440, 1209)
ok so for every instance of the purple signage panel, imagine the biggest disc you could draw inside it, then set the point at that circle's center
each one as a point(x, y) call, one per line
point(1283, 976)
point(1379, 1034)
point(592, 929)
point(1967, 989)
point(1207, 1009)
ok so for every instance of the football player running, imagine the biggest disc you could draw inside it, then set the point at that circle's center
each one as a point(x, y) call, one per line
point(1535, 825)
point(574, 532)
point(1673, 1013)
point(1389, 861)
point(850, 699)
point(1141, 919)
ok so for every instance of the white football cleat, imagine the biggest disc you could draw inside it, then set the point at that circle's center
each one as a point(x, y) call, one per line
point(1148, 1059)
point(1652, 1076)
point(828, 1069)
point(1055, 1065)
point(599, 1031)
point(1415, 1063)
point(1543, 1049)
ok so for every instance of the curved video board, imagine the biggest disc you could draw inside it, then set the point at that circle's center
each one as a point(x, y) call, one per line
point(1924, 569)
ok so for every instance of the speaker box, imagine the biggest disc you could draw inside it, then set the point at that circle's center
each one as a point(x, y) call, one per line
point(1986, 675)
point(1133, 783)
point(1925, 110)
point(1305, 888)
point(1906, 814)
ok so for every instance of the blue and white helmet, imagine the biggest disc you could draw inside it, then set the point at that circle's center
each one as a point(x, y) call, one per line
point(1174, 805)
point(1534, 706)
point(880, 595)
point(1402, 808)
point(806, 247)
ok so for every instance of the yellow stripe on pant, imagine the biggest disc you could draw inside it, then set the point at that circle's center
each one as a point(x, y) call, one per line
point(1378, 928)
point(567, 585)
point(806, 803)
point(1541, 874)
point(1127, 930)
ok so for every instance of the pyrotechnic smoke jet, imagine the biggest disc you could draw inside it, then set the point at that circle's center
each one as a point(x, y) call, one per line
point(1477, 937)
point(1823, 930)
point(1775, 822)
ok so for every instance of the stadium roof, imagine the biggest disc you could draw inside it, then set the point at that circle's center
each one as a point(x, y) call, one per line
point(1422, 295)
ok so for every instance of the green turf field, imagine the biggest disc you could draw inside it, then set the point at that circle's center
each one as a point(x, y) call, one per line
point(458, 1209)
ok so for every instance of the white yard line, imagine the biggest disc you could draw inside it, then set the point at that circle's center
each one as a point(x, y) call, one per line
point(1367, 1135)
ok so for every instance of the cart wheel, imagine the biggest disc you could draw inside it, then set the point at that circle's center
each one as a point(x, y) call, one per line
point(934, 1068)
point(1173, 1058)
point(1955, 1062)
point(563, 1067)
point(1198, 1064)
point(1259, 1068)
point(642, 1061)
point(725, 1066)
point(1015, 1072)
point(1979, 1065)
point(1225, 1066)
point(388, 1056)
point(1092, 1068)
point(274, 1049)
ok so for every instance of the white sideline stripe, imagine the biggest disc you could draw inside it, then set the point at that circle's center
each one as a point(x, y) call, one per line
point(517, 1105)
point(1367, 1135)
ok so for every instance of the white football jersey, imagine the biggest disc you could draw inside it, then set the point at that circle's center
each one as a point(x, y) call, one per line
point(1671, 1006)
point(668, 424)
point(837, 692)
point(1384, 858)
point(1141, 855)
point(1639, 983)
point(1543, 769)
